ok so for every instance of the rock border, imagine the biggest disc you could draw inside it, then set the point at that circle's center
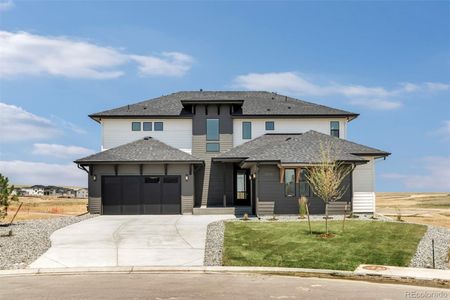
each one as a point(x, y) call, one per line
point(423, 257)
point(215, 234)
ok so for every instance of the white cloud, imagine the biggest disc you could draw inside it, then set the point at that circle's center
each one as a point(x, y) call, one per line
point(61, 151)
point(26, 172)
point(170, 64)
point(29, 54)
point(443, 131)
point(435, 175)
point(6, 5)
point(371, 97)
point(18, 124)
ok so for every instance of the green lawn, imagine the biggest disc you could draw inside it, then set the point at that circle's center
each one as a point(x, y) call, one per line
point(289, 244)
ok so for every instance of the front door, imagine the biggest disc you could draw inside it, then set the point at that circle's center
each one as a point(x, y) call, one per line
point(242, 188)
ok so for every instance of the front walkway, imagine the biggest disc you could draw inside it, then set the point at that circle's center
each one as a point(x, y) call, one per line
point(156, 240)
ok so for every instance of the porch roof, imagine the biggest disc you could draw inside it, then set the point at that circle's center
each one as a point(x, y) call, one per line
point(299, 148)
point(143, 150)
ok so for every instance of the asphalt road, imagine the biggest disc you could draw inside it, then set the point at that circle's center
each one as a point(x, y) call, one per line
point(203, 286)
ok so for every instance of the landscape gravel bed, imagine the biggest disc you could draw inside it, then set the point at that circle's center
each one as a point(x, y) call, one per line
point(214, 243)
point(30, 240)
point(424, 257)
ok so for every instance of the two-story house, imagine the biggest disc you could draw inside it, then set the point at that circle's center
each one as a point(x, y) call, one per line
point(221, 152)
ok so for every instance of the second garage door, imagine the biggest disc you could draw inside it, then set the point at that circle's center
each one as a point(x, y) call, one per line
point(134, 195)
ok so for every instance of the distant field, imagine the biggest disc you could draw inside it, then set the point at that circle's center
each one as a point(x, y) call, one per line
point(423, 208)
point(46, 207)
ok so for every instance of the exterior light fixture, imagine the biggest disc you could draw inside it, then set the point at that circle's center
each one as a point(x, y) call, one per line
point(94, 177)
point(186, 177)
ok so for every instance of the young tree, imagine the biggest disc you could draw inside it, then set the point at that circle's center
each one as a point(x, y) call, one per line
point(326, 178)
point(6, 196)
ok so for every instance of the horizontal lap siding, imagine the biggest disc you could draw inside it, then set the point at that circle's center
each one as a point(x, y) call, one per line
point(364, 187)
point(177, 133)
point(285, 125)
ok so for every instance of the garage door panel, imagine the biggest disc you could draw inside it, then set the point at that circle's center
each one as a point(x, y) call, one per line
point(131, 195)
point(152, 195)
point(141, 195)
point(112, 200)
point(171, 195)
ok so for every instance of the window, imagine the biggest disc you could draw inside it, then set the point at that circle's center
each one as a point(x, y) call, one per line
point(289, 182)
point(305, 189)
point(270, 125)
point(159, 126)
point(136, 126)
point(212, 129)
point(212, 147)
point(334, 128)
point(147, 126)
point(246, 130)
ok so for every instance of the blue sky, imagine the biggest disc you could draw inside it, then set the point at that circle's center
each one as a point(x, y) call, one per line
point(388, 61)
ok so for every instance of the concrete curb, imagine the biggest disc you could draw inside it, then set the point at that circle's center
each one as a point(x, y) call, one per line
point(299, 272)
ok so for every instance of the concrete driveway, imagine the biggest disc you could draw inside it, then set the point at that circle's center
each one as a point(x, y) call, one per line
point(165, 240)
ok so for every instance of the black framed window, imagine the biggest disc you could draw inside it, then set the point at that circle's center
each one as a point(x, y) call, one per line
point(212, 147)
point(289, 182)
point(159, 126)
point(270, 125)
point(147, 126)
point(212, 129)
point(334, 128)
point(136, 126)
point(246, 130)
point(305, 189)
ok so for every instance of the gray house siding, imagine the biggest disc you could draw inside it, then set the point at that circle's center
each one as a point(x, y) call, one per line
point(95, 192)
point(214, 180)
point(272, 198)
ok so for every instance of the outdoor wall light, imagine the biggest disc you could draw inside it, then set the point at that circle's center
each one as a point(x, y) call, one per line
point(94, 177)
point(186, 177)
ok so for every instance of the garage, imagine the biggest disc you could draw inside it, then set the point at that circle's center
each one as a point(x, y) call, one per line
point(134, 195)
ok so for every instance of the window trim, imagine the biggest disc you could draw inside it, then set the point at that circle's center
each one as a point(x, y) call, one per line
point(134, 123)
point(269, 122)
point(333, 131)
point(243, 130)
point(218, 130)
point(155, 124)
point(151, 126)
point(286, 184)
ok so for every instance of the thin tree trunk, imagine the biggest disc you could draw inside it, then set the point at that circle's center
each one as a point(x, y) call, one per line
point(326, 218)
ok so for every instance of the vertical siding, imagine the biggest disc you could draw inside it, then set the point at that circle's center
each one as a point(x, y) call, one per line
point(286, 125)
point(177, 132)
point(364, 187)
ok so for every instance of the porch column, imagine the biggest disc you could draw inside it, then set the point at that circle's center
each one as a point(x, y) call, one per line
point(224, 173)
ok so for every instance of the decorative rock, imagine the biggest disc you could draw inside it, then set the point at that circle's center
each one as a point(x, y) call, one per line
point(424, 254)
point(29, 240)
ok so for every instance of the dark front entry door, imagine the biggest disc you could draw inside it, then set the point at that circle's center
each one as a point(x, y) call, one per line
point(242, 188)
point(132, 195)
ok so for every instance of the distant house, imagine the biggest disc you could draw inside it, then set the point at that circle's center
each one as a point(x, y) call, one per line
point(35, 190)
point(82, 193)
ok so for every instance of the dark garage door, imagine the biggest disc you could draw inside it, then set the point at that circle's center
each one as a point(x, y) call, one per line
point(134, 195)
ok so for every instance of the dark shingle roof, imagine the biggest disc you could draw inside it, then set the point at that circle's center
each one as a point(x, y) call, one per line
point(299, 148)
point(146, 149)
point(254, 103)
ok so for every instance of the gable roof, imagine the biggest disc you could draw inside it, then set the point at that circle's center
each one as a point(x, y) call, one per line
point(254, 103)
point(143, 150)
point(299, 148)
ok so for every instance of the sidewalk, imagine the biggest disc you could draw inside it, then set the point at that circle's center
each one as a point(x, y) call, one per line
point(416, 273)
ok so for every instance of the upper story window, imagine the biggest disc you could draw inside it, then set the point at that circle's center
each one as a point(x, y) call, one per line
point(212, 129)
point(246, 130)
point(334, 128)
point(147, 126)
point(289, 182)
point(136, 126)
point(159, 126)
point(212, 147)
point(270, 125)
